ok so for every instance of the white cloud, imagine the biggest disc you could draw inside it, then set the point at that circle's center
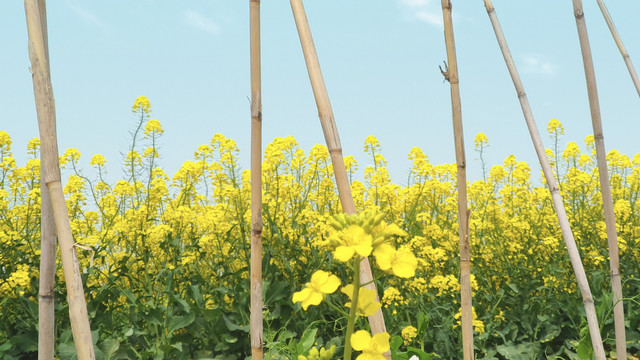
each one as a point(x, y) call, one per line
point(537, 64)
point(429, 17)
point(199, 21)
point(415, 3)
point(423, 10)
point(87, 16)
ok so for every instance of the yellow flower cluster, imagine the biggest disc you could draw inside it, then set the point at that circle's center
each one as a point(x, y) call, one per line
point(408, 334)
point(18, 281)
point(321, 354)
point(478, 325)
point(197, 222)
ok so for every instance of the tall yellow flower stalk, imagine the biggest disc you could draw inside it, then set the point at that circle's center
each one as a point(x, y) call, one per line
point(355, 238)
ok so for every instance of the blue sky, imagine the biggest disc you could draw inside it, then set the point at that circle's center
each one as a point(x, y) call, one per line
point(379, 59)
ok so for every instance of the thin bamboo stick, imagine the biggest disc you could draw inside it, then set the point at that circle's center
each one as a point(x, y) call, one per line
point(451, 75)
point(621, 47)
point(46, 305)
point(607, 199)
point(48, 243)
point(256, 183)
point(332, 139)
point(46, 309)
point(49, 153)
point(552, 183)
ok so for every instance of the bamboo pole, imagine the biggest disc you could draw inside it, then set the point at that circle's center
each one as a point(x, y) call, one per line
point(621, 47)
point(45, 108)
point(552, 183)
point(46, 305)
point(451, 74)
point(256, 183)
point(607, 199)
point(332, 139)
point(46, 310)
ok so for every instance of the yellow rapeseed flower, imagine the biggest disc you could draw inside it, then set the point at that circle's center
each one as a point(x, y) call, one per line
point(33, 146)
point(367, 303)
point(352, 240)
point(98, 160)
point(408, 334)
point(321, 283)
point(72, 154)
point(5, 140)
point(555, 127)
point(481, 140)
point(372, 348)
point(371, 144)
point(401, 263)
point(153, 126)
point(141, 104)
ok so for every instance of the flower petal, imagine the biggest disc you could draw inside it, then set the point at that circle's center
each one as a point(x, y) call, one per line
point(384, 254)
point(343, 253)
point(405, 264)
point(380, 343)
point(360, 340)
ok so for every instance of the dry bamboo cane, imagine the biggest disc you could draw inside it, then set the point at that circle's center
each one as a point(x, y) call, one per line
point(46, 305)
point(45, 109)
point(332, 139)
point(607, 200)
point(552, 183)
point(621, 47)
point(256, 184)
point(451, 75)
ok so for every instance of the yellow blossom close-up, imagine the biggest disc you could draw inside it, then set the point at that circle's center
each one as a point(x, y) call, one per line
point(321, 283)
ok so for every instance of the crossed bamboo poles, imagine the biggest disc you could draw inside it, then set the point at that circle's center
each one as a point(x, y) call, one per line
point(55, 218)
point(45, 108)
point(552, 183)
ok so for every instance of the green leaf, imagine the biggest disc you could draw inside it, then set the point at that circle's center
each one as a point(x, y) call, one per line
point(109, 348)
point(584, 349)
point(204, 355)
point(423, 321)
point(197, 295)
point(230, 338)
point(67, 351)
point(155, 316)
point(6, 347)
point(395, 343)
point(179, 322)
point(233, 327)
point(307, 340)
point(129, 295)
point(184, 306)
point(411, 351)
point(522, 351)
point(129, 332)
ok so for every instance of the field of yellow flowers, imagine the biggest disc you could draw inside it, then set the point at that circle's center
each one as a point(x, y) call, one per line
point(164, 259)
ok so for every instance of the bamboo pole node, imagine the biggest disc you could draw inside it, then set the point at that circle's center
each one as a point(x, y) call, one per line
point(489, 6)
point(256, 106)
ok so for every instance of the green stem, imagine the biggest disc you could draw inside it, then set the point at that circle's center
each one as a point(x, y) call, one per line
point(336, 308)
point(353, 312)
